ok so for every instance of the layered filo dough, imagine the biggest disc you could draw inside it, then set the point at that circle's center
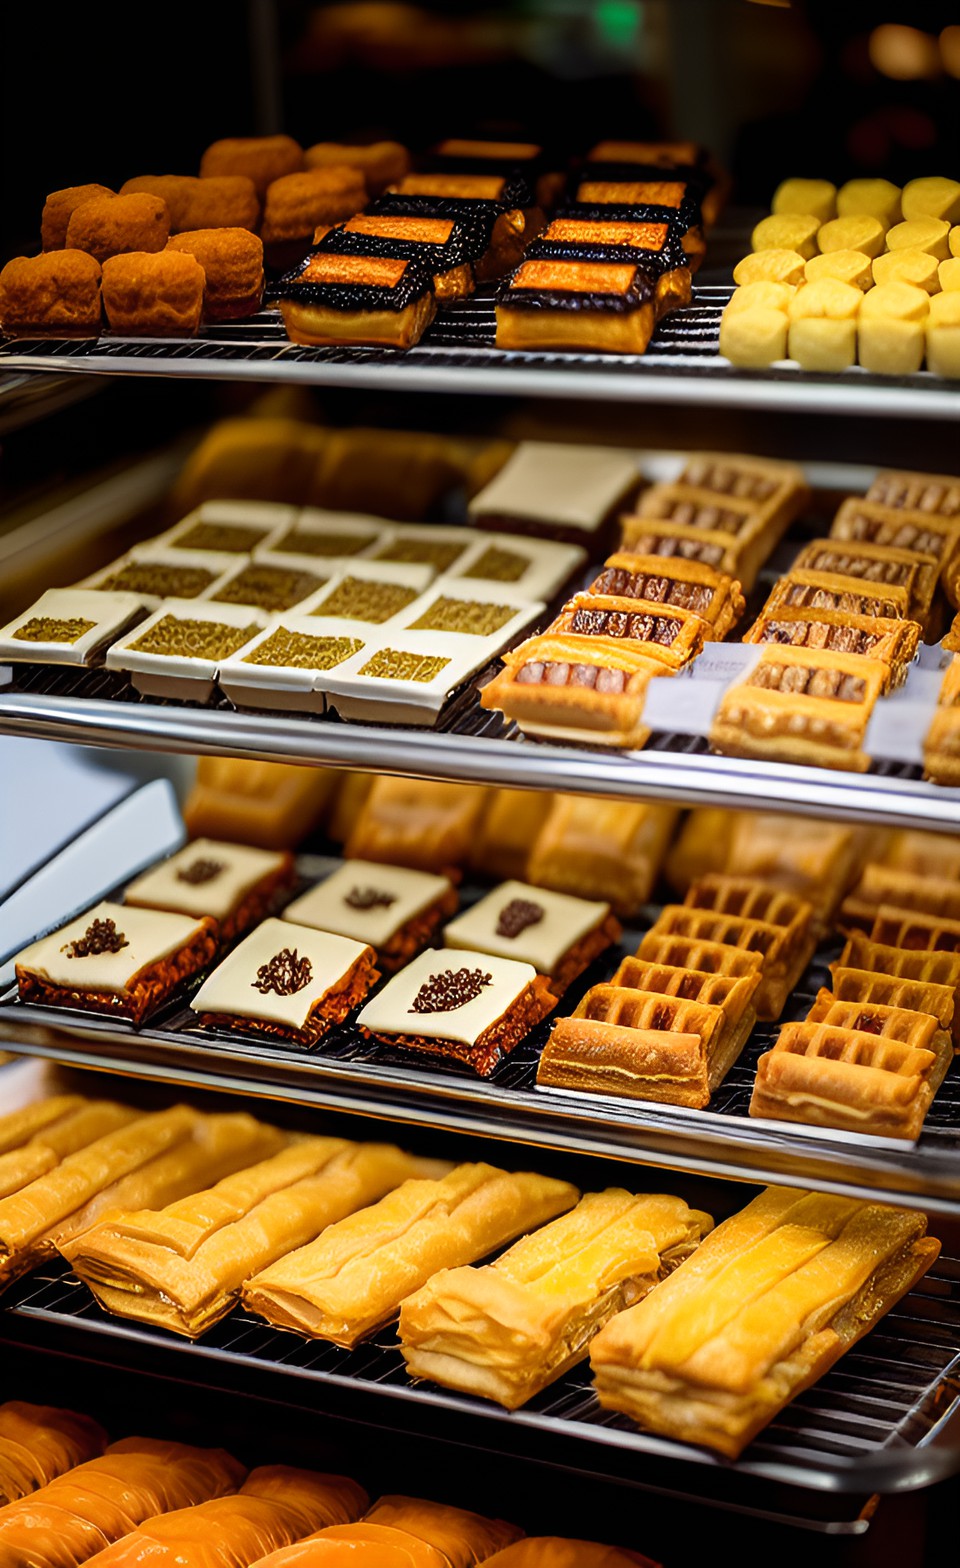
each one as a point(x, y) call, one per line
point(40, 1442)
point(402, 1532)
point(768, 1302)
point(276, 1506)
point(352, 1279)
point(97, 1503)
point(508, 1329)
point(182, 1267)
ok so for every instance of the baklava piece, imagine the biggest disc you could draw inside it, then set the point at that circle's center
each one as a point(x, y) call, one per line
point(57, 210)
point(684, 585)
point(286, 982)
point(315, 531)
point(587, 689)
point(153, 295)
point(261, 158)
point(419, 823)
point(559, 935)
point(234, 884)
point(368, 593)
point(893, 642)
point(671, 637)
point(115, 959)
point(607, 849)
point(497, 615)
point(178, 650)
point(512, 1327)
point(393, 909)
point(232, 262)
point(468, 1008)
point(876, 565)
point(154, 573)
point(594, 307)
point(369, 300)
point(572, 493)
point(68, 626)
point(407, 544)
point(536, 568)
point(803, 706)
point(108, 226)
point(55, 295)
point(768, 1302)
point(353, 1278)
point(295, 205)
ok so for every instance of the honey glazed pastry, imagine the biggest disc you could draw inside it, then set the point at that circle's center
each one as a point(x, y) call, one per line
point(232, 262)
point(40, 1442)
point(559, 935)
point(56, 294)
point(606, 849)
point(374, 300)
point(756, 525)
point(554, 1551)
point(590, 689)
point(225, 201)
point(509, 1329)
point(721, 552)
point(354, 1277)
point(922, 533)
point(685, 585)
point(661, 197)
point(234, 884)
point(770, 1301)
point(893, 642)
point(669, 636)
point(57, 210)
point(506, 201)
point(462, 1537)
point(937, 494)
point(404, 822)
point(153, 295)
point(877, 565)
point(393, 909)
point(599, 307)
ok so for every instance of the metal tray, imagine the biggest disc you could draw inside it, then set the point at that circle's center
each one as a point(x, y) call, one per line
point(348, 1073)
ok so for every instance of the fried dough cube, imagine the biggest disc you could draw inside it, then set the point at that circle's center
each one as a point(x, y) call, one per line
point(261, 158)
point(928, 234)
point(219, 202)
point(762, 296)
point(910, 265)
point(770, 266)
point(859, 231)
point(847, 266)
point(787, 231)
point(110, 225)
point(150, 295)
point(232, 260)
point(943, 335)
point(875, 198)
point(58, 209)
point(931, 197)
point(753, 337)
point(54, 295)
point(818, 197)
point(823, 325)
point(892, 321)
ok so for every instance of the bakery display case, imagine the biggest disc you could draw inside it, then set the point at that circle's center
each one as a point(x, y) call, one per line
point(357, 607)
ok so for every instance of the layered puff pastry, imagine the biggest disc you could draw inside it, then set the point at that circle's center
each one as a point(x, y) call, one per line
point(686, 585)
point(879, 884)
point(586, 688)
point(352, 1279)
point(777, 924)
point(597, 848)
point(275, 1506)
point(402, 1532)
point(880, 566)
point(766, 1305)
point(416, 822)
point(182, 1267)
point(39, 1443)
point(669, 636)
point(507, 1330)
point(97, 1503)
point(802, 589)
point(894, 642)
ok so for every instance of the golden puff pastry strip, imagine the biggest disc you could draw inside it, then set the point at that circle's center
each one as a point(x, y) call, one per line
point(800, 705)
point(688, 585)
point(768, 1302)
point(589, 689)
point(827, 1075)
point(915, 1026)
point(951, 641)
point(416, 822)
point(89, 1120)
point(352, 1279)
point(509, 1329)
point(879, 884)
point(19, 1127)
point(360, 1545)
point(752, 900)
point(275, 1506)
point(802, 589)
point(182, 1268)
point(893, 641)
point(732, 994)
point(40, 1442)
point(508, 829)
point(879, 565)
point(597, 848)
point(463, 1537)
point(80, 1513)
point(556, 1551)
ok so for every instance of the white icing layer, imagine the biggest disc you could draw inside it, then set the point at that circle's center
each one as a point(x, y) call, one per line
point(151, 935)
point(232, 988)
point(325, 906)
point(572, 485)
point(241, 868)
point(391, 1011)
point(110, 613)
point(564, 922)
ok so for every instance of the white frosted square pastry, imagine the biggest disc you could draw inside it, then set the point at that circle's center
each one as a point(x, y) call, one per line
point(288, 981)
point(230, 527)
point(284, 665)
point(232, 883)
point(405, 677)
point(425, 544)
point(177, 651)
point(68, 626)
point(372, 591)
point(393, 909)
point(155, 573)
point(567, 490)
point(557, 934)
point(472, 610)
point(469, 1008)
point(536, 568)
point(316, 532)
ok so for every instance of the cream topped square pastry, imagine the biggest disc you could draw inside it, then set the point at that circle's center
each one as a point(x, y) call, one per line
point(273, 581)
point(404, 676)
point(234, 884)
point(178, 650)
point(68, 626)
point(284, 666)
point(154, 573)
point(477, 610)
point(557, 934)
point(536, 568)
point(115, 959)
point(230, 527)
point(371, 591)
point(317, 532)
point(287, 981)
point(425, 544)
point(567, 492)
point(391, 908)
point(471, 1009)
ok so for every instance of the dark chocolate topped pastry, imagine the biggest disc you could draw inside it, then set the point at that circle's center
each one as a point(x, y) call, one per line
point(442, 234)
point(507, 189)
point(669, 201)
point(355, 282)
point(655, 245)
point(575, 286)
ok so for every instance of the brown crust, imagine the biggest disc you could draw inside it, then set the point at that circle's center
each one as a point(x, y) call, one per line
point(106, 226)
point(56, 294)
point(153, 294)
point(331, 1008)
point(530, 1007)
point(417, 933)
point(153, 985)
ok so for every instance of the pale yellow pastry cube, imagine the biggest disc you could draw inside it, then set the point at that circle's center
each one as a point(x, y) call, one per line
point(859, 231)
point(818, 197)
point(787, 231)
point(929, 234)
point(762, 296)
point(949, 273)
point(953, 240)
point(823, 325)
point(849, 266)
point(892, 319)
point(932, 197)
point(877, 198)
point(770, 266)
point(913, 266)
point(754, 337)
point(943, 335)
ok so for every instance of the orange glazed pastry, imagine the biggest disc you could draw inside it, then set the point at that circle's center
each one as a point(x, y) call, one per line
point(232, 260)
point(261, 158)
point(56, 295)
point(39, 1442)
point(59, 206)
point(298, 203)
point(157, 296)
point(224, 201)
point(109, 225)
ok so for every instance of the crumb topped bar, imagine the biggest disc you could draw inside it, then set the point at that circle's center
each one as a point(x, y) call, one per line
point(234, 884)
point(395, 910)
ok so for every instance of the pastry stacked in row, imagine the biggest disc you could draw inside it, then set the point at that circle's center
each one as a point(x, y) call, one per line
point(113, 1507)
point(869, 274)
point(941, 744)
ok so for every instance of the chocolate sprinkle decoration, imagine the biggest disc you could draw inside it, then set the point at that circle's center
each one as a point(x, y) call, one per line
point(452, 988)
point(517, 915)
point(286, 973)
point(200, 870)
point(369, 898)
point(101, 936)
